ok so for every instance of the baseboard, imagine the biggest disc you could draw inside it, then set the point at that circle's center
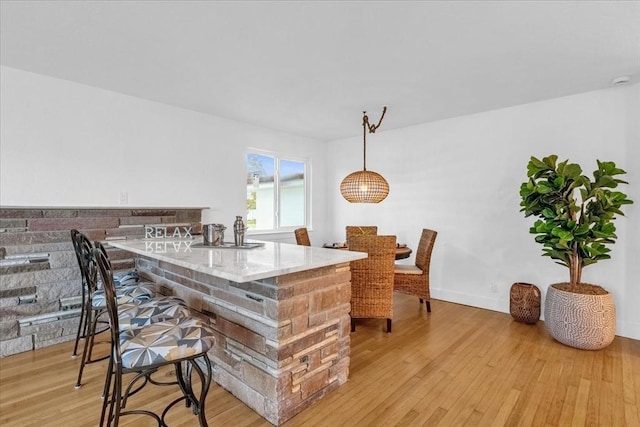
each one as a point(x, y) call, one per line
point(623, 329)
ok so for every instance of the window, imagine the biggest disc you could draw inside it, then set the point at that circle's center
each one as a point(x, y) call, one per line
point(276, 192)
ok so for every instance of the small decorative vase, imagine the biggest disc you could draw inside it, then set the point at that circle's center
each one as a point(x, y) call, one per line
point(578, 320)
point(524, 303)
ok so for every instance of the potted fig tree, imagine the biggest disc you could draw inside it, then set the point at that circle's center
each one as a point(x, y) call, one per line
point(575, 226)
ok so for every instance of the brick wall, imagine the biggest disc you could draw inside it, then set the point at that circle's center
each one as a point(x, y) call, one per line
point(39, 274)
point(281, 343)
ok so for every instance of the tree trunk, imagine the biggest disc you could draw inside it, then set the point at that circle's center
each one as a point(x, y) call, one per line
point(575, 270)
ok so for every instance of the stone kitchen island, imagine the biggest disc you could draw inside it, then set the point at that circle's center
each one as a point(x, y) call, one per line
point(280, 312)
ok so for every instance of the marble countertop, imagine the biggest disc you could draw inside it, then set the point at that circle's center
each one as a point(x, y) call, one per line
point(239, 265)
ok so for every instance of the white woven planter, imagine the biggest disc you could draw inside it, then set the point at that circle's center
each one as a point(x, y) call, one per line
point(582, 321)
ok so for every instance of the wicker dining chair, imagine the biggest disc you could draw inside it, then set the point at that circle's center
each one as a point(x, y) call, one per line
point(360, 230)
point(372, 278)
point(302, 237)
point(414, 279)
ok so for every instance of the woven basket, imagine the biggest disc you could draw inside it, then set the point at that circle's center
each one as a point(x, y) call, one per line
point(524, 303)
point(581, 321)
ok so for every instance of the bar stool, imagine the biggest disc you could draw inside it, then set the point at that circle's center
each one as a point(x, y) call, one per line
point(124, 281)
point(181, 342)
point(92, 310)
point(136, 305)
point(134, 314)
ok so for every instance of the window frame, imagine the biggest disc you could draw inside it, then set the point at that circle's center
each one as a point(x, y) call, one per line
point(279, 156)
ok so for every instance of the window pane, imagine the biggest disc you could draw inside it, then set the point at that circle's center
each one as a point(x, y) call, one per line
point(260, 192)
point(292, 189)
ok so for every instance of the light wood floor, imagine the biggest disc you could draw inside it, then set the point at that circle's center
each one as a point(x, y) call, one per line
point(456, 366)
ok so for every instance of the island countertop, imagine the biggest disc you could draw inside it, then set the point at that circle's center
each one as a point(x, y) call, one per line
point(280, 312)
point(239, 265)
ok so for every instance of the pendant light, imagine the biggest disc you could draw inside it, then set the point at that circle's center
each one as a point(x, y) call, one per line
point(365, 186)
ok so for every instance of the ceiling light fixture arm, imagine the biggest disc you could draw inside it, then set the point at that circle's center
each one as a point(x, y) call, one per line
point(372, 129)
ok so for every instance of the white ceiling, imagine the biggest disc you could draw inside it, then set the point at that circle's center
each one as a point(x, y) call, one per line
point(310, 68)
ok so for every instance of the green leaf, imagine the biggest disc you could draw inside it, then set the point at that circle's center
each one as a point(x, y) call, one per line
point(608, 236)
point(606, 181)
point(525, 189)
point(572, 171)
point(584, 193)
point(608, 228)
point(548, 213)
point(543, 187)
point(609, 168)
point(559, 181)
point(581, 230)
point(565, 235)
point(535, 166)
point(588, 261)
point(549, 161)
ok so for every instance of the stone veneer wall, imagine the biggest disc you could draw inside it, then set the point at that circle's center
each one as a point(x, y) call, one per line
point(281, 343)
point(39, 275)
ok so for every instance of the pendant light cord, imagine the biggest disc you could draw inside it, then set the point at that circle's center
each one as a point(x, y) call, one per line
point(372, 129)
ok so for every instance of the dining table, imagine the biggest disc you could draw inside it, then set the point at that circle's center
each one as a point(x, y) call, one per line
point(402, 250)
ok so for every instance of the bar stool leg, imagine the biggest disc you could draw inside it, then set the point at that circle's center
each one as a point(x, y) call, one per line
point(82, 328)
point(85, 352)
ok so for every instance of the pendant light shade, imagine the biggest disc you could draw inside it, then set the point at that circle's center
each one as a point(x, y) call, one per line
point(365, 186)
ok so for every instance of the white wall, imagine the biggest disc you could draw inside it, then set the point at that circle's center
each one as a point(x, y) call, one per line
point(630, 312)
point(461, 177)
point(66, 144)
